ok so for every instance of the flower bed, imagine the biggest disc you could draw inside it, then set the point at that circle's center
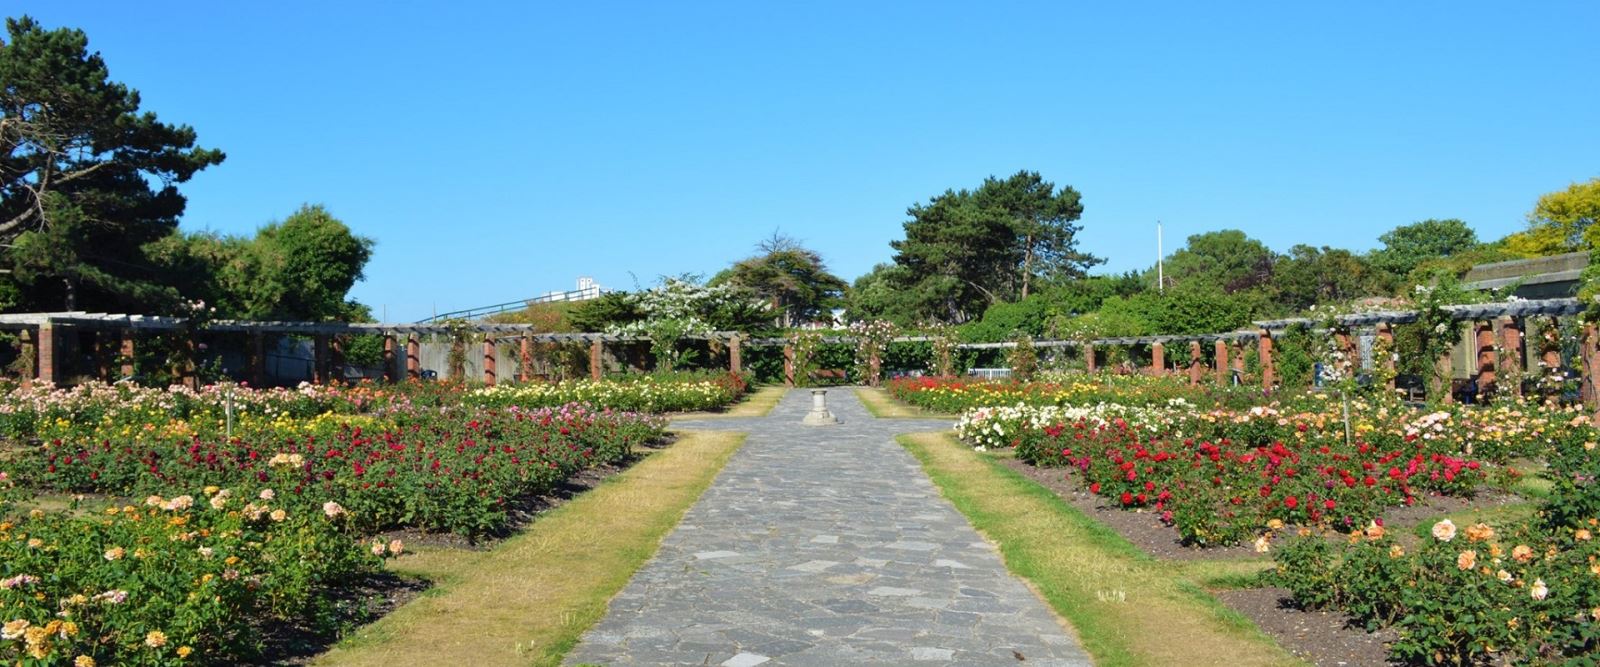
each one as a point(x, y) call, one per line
point(434, 470)
point(1471, 595)
point(185, 580)
point(1220, 475)
point(259, 527)
point(645, 393)
point(956, 394)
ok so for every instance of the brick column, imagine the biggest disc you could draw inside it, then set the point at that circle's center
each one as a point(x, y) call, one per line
point(102, 356)
point(127, 354)
point(47, 361)
point(524, 357)
point(1264, 350)
point(390, 373)
point(1221, 351)
point(336, 350)
point(191, 378)
point(319, 359)
point(1441, 377)
point(596, 350)
point(1347, 347)
point(1487, 353)
point(1511, 363)
point(1238, 356)
point(1385, 333)
point(1196, 364)
point(735, 358)
point(788, 365)
point(1590, 356)
point(1158, 358)
point(1088, 357)
point(258, 359)
point(28, 348)
point(413, 357)
point(490, 362)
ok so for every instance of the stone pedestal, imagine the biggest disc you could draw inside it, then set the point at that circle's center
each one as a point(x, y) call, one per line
point(819, 415)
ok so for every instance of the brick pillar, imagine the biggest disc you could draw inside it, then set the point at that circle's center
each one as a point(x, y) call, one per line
point(1347, 347)
point(735, 358)
point(788, 365)
point(336, 356)
point(413, 357)
point(102, 356)
point(258, 359)
point(1488, 354)
point(1088, 357)
point(1196, 364)
point(1385, 333)
point(1441, 377)
point(1158, 358)
point(1511, 363)
point(28, 348)
point(490, 363)
point(191, 378)
point(524, 357)
point(47, 361)
point(390, 373)
point(1264, 351)
point(874, 370)
point(127, 354)
point(1590, 356)
point(1221, 352)
point(596, 350)
point(319, 359)
point(1238, 356)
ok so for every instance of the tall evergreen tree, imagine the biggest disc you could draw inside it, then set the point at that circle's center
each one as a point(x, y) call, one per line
point(86, 179)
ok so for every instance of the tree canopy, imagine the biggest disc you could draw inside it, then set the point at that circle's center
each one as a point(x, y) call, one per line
point(966, 250)
point(1407, 246)
point(86, 178)
point(1561, 221)
point(790, 277)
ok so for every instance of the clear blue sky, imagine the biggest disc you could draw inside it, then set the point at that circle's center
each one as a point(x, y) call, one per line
point(500, 150)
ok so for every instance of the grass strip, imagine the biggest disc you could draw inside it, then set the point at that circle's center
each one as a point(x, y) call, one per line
point(755, 404)
point(529, 599)
point(880, 404)
point(1127, 608)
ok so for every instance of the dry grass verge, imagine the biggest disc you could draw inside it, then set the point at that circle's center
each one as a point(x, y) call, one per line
point(529, 599)
point(1127, 608)
point(883, 406)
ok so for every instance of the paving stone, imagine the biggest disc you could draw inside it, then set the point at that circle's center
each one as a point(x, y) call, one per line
point(824, 546)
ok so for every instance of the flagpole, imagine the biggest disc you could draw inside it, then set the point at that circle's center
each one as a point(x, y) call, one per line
point(1161, 277)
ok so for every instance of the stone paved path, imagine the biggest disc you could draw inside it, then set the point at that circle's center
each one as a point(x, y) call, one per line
point(825, 546)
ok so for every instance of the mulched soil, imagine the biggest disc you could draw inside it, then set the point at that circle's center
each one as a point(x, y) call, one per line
point(1324, 638)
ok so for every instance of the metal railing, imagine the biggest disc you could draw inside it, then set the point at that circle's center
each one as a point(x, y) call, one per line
point(484, 311)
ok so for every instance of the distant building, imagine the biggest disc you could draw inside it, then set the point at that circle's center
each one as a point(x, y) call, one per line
point(587, 289)
point(1550, 277)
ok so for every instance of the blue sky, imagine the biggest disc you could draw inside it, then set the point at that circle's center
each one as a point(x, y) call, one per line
point(500, 150)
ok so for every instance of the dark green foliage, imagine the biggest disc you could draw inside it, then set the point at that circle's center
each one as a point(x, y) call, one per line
point(78, 161)
point(966, 250)
point(1227, 260)
point(792, 278)
point(1407, 246)
point(1003, 321)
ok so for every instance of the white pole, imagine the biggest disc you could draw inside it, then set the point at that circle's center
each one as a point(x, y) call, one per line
point(1161, 278)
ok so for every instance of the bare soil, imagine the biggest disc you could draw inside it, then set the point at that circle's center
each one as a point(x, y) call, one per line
point(1323, 638)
